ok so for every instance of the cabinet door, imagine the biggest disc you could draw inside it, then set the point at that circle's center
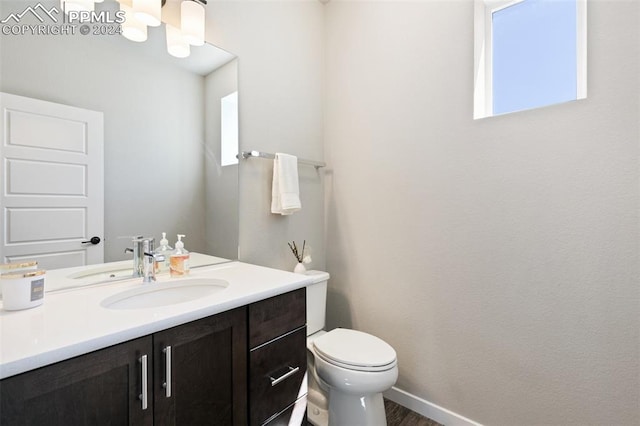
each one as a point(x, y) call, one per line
point(100, 388)
point(200, 372)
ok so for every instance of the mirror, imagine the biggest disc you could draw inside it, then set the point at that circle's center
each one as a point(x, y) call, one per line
point(162, 126)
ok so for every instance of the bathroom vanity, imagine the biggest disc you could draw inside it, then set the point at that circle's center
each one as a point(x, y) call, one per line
point(234, 356)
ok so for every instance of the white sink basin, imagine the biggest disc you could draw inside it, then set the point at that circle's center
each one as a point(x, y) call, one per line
point(154, 295)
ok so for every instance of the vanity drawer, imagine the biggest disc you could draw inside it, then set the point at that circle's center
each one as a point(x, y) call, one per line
point(294, 415)
point(276, 316)
point(276, 375)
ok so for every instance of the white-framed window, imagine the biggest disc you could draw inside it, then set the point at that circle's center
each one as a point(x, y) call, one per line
point(528, 54)
point(229, 129)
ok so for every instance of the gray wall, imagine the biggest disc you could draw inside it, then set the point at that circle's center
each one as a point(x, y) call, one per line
point(500, 256)
point(280, 49)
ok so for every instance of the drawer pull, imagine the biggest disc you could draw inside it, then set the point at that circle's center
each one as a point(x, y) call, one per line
point(167, 371)
point(289, 373)
point(144, 396)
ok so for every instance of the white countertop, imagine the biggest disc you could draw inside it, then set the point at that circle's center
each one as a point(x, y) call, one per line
point(72, 322)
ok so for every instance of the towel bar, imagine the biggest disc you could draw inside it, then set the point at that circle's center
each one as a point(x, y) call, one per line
point(259, 154)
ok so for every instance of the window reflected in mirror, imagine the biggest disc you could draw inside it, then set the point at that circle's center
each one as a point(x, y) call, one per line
point(229, 129)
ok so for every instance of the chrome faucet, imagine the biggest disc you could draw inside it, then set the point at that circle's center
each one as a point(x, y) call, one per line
point(138, 255)
point(149, 259)
point(144, 258)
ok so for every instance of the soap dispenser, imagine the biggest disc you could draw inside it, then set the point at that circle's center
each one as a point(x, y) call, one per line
point(165, 250)
point(179, 259)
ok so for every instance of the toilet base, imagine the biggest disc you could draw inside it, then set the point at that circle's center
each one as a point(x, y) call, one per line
point(317, 415)
point(354, 410)
point(317, 403)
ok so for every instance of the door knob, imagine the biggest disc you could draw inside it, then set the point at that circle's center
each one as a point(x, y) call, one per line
point(93, 240)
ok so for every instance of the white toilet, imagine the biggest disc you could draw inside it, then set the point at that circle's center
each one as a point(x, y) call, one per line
point(347, 369)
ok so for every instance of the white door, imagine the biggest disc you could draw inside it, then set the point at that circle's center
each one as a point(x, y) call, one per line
point(52, 198)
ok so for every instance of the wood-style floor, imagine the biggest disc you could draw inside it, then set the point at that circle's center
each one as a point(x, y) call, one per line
point(397, 415)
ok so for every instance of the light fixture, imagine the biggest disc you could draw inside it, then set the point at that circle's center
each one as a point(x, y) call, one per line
point(176, 44)
point(77, 5)
point(149, 12)
point(192, 22)
point(143, 13)
point(132, 28)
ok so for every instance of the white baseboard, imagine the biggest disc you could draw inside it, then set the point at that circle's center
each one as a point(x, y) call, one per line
point(428, 409)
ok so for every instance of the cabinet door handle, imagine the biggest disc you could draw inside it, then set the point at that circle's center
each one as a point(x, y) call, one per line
point(144, 396)
point(289, 373)
point(167, 371)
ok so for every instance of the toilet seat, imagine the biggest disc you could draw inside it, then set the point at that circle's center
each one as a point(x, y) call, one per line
point(355, 350)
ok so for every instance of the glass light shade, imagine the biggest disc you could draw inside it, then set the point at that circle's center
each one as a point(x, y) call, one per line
point(77, 5)
point(192, 22)
point(176, 44)
point(132, 28)
point(149, 12)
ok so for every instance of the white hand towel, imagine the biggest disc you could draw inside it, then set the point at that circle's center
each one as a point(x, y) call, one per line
point(285, 193)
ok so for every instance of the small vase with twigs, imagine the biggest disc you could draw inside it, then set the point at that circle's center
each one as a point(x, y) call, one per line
point(300, 257)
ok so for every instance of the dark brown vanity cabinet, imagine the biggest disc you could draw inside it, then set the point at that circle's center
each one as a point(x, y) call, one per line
point(100, 388)
point(277, 357)
point(195, 374)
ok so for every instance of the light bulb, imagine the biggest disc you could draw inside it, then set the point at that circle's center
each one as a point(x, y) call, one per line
point(149, 12)
point(132, 28)
point(192, 22)
point(176, 44)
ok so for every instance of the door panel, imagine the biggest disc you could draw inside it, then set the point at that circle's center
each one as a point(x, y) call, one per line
point(52, 196)
point(28, 225)
point(41, 131)
point(60, 257)
point(44, 178)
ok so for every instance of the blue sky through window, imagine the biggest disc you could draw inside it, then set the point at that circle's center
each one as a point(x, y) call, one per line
point(534, 54)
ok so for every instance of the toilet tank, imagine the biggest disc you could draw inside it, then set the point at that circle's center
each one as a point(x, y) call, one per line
point(316, 301)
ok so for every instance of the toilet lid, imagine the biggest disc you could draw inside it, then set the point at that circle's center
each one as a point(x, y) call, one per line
point(355, 350)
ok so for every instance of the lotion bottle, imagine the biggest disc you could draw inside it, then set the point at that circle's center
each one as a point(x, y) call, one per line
point(179, 259)
point(165, 250)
